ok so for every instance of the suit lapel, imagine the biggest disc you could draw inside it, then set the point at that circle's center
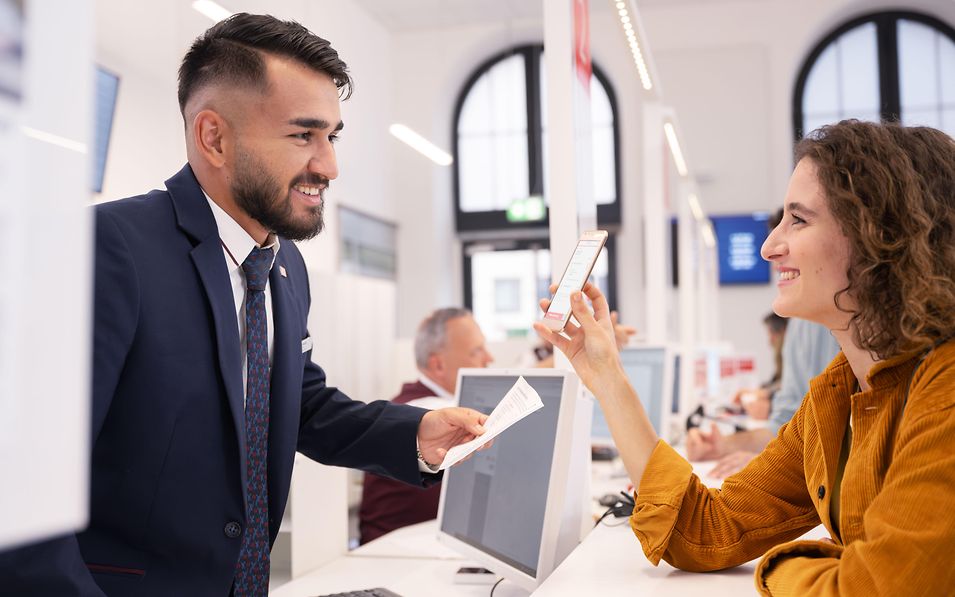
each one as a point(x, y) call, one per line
point(196, 219)
point(209, 262)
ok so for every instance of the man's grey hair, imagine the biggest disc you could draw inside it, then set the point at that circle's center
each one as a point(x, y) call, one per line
point(433, 333)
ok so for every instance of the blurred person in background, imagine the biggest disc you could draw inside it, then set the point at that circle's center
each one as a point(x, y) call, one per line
point(807, 349)
point(756, 402)
point(447, 340)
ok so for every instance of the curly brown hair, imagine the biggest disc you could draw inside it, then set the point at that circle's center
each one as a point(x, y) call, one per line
point(892, 190)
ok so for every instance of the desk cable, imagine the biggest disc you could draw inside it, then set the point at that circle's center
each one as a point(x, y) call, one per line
point(623, 508)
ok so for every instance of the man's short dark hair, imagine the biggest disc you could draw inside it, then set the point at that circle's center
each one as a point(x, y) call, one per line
point(231, 52)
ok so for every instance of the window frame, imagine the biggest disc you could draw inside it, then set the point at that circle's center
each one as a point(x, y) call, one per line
point(525, 244)
point(474, 221)
point(886, 23)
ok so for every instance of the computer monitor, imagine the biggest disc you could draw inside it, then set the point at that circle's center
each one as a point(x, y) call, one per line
point(518, 508)
point(738, 242)
point(107, 87)
point(652, 373)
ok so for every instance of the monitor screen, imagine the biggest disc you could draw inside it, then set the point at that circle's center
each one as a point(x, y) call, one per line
point(739, 239)
point(107, 86)
point(646, 368)
point(496, 501)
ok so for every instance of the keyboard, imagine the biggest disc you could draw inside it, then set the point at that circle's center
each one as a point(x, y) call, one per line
point(378, 592)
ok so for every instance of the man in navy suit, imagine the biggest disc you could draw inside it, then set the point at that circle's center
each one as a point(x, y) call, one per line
point(203, 385)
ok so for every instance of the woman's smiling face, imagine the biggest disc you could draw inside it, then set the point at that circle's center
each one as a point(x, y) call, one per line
point(810, 253)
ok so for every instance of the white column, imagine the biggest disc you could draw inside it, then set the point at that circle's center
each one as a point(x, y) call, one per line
point(568, 185)
point(569, 182)
point(654, 221)
point(686, 266)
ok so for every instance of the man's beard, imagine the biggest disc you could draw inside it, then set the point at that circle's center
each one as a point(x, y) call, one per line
point(260, 196)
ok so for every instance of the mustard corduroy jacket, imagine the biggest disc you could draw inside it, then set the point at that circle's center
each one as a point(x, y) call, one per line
point(897, 517)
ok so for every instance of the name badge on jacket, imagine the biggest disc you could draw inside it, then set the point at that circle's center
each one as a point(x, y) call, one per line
point(307, 344)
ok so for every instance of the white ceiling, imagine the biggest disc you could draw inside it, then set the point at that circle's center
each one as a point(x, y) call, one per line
point(407, 15)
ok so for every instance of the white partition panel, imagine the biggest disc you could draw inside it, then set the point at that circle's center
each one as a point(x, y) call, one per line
point(46, 75)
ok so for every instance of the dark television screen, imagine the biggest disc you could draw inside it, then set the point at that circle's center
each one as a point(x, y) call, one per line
point(739, 239)
point(107, 84)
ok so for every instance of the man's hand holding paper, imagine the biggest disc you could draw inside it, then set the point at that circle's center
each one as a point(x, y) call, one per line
point(520, 401)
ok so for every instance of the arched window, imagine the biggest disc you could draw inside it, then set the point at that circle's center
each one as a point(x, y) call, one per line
point(500, 146)
point(500, 143)
point(884, 66)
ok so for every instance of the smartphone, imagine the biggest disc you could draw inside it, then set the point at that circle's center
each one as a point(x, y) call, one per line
point(575, 276)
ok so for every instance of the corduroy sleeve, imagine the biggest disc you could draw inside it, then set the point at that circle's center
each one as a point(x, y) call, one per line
point(909, 529)
point(696, 528)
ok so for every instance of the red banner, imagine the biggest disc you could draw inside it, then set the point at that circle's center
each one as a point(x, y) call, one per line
point(582, 42)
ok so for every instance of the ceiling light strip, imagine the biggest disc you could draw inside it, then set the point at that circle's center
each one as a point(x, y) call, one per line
point(421, 145)
point(674, 144)
point(708, 237)
point(46, 137)
point(626, 21)
point(695, 207)
point(213, 10)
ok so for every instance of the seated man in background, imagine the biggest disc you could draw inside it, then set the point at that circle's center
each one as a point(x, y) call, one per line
point(807, 350)
point(446, 341)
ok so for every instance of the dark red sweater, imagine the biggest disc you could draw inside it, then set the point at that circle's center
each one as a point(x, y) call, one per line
point(387, 504)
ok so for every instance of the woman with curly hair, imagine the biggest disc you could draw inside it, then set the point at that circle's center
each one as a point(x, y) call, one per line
point(866, 247)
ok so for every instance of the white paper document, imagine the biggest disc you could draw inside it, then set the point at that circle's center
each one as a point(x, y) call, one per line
point(520, 401)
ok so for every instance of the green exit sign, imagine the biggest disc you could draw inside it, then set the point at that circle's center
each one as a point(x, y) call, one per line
point(531, 209)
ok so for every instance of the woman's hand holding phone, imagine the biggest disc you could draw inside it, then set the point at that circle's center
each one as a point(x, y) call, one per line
point(591, 346)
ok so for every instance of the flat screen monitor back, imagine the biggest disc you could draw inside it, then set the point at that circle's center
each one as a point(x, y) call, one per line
point(651, 371)
point(508, 507)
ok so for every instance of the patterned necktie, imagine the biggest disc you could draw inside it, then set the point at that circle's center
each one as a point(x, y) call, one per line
point(252, 571)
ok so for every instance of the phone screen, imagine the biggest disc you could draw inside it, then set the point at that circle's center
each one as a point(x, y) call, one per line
point(575, 276)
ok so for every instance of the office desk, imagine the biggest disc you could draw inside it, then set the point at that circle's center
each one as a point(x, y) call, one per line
point(409, 561)
point(610, 562)
point(412, 563)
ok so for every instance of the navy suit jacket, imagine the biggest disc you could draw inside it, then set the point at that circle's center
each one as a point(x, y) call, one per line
point(169, 459)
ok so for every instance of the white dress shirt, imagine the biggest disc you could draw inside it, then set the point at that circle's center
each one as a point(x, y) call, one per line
point(236, 246)
point(441, 399)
